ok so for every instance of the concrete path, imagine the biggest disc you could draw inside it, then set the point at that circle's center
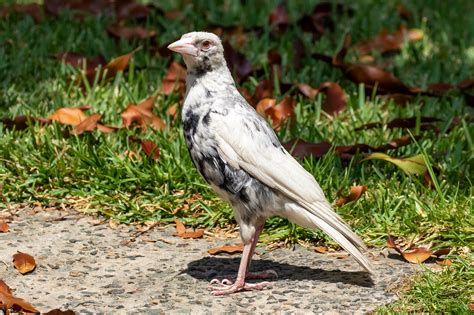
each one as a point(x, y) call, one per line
point(89, 268)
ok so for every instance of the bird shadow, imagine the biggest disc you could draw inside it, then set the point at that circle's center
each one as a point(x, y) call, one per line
point(208, 268)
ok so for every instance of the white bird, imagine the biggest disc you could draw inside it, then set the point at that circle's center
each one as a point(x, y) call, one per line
point(239, 155)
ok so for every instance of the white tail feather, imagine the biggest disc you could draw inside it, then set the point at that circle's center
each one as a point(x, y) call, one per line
point(320, 215)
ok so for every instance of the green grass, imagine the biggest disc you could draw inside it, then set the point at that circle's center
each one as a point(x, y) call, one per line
point(89, 172)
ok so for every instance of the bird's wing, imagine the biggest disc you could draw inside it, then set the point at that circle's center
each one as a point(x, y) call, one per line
point(246, 141)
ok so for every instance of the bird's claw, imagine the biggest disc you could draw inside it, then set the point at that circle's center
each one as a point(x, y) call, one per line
point(221, 282)
point(238, 286)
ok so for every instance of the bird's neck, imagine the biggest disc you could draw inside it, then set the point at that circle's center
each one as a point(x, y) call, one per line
point(216, 80)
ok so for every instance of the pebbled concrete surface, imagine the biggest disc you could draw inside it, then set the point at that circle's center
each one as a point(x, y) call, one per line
point(89, 268)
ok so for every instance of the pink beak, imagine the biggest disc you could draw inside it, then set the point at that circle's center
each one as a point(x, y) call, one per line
point(184, 46)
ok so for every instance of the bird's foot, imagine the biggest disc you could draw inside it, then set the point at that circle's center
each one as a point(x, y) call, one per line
point(238, 285)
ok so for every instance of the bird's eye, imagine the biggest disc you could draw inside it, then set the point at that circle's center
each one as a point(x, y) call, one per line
point(206, 45)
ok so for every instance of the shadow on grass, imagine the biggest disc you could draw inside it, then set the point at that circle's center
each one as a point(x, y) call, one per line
point(208, 268)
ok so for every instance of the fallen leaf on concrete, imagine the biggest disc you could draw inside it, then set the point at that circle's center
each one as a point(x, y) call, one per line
point(3, 227)
point(23, 262)
point(321, 249)
point(15, 303)
point(57, 311)
point(229, 249)
point(4, 288)
point(183, 233)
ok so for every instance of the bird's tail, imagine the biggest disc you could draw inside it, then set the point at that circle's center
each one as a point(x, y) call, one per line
point(323, 217)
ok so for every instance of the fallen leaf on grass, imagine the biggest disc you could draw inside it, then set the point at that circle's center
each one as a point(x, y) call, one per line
point(174, 80)
point(129, 33)
point(89, 124)
point(372, 77)
point(411, 165)
point(336, 100)
point(355, 193)
point(69, 115)
point(23, 262)
point(3, 227)
point(229, 249)
point(425, 123)
point(148, 146)
point(470, 306)
point(385, 41)
point(415, 255)
point(237, 62)
point(321, 19)
point(404, 13)
point(444, 262)
point(22, 122)
point(122, 10)
point(307, 90)
point(183, 233)
point(277, 112)
point(142, 115)
point(80, 62)
point(302, 149)
point(279, 18)
point(110, 70)
point(32, 9)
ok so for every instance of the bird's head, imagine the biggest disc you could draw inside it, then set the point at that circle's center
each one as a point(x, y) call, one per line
point(202, 51)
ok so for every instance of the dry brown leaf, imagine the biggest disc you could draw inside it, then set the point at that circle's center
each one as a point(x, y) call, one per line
point(321, 249)
point(15, 303)
point(279, 17)
point(148, 146)
point(336, 100)
point(180, 228)
point(355, 193)
point(307, 90)
point(3, 227)
point(444, 262)
point(57, 311)
point(192, 234)
point(237, 62)
point(129, 33)
point(69, 116)
point(174, 80)
point(80, 62)
point(229, 249)
point(23, 262)
point(385, 41)
point(4, 288)
point(142, 115)
point(32, 9)
point(277, 112)
point(22, 122)
point(418, 254)
point(111, 69)
point(183, 233)
point(89, 124)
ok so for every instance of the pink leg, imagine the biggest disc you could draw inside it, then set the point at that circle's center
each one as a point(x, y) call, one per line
point(239, 284)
